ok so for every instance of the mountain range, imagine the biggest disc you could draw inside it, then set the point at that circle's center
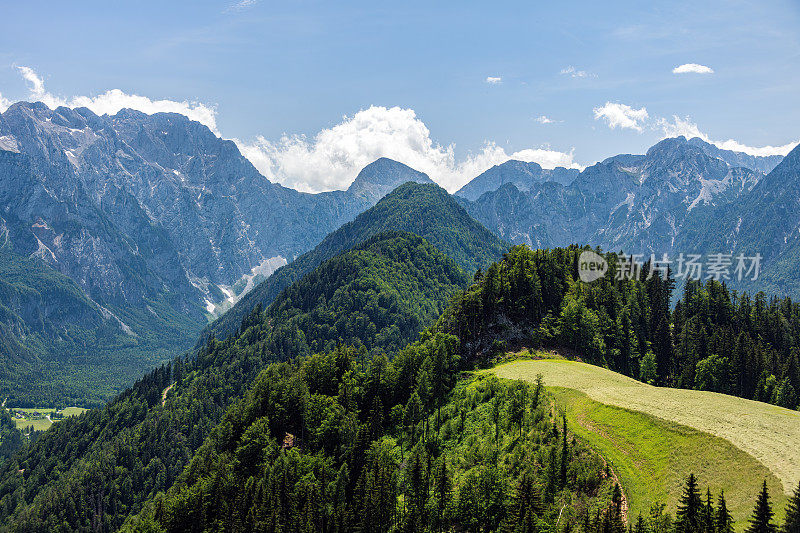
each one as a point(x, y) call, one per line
point(146, 226)
point(522, 174)
point(632, 202)
point(157, 221)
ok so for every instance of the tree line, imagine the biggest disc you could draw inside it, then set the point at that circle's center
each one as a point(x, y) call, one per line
point(698, 513)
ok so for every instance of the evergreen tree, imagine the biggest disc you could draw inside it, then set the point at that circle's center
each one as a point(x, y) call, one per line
point(523, 518)
point(340, 518)
point(443, 488)
point(707, 514)
point(761, 521)
point(687, 518)
point(792, 522)
point(640, 526)
point(516, 405)
point(537, 392)
point(616, 518)
point(723, 521)
point(564, 451)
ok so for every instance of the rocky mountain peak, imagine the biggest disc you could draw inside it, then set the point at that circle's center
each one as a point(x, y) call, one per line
point(382, 176)
point(524, 175)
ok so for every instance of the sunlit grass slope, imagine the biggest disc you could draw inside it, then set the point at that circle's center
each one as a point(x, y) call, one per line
point(656, 436)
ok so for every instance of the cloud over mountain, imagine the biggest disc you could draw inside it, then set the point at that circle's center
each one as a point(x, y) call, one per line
point(334, 156)
point(617, 115)
point(111, 101)
point(684, 126)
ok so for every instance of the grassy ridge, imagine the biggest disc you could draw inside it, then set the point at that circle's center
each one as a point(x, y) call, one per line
point(656, 436)
point(653, 457)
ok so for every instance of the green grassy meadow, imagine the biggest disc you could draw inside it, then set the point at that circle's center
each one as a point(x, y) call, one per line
point(38, 416)
point(654, 436)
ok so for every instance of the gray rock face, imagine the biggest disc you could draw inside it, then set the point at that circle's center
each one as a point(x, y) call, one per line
point(765, 221)
point(636, 203)
point(523, 175)
point(132, 205)
point(763, 164)
point(381, 177)
point(154, 217)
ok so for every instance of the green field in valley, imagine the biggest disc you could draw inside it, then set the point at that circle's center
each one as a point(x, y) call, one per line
point(41, 418)
point(654, 436)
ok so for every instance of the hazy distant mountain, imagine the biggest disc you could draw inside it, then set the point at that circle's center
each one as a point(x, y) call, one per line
point(523, 175)
point(681, 196)
point(763, 164)
point(626, 201)
point(766, 221)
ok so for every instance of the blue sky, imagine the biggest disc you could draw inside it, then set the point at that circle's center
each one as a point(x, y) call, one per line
point(267, 73)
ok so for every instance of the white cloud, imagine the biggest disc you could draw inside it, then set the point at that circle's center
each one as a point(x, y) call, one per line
point(4, 103)
point(491, 80)
point(736, 146)
point(548, 158)
point(680, 126)
point(37, 85)
point(692, 68)
point(110, 102)
point(333, 157)
point(572, 71)
point(622, 116)
point(544, 119)
point(242, 4)
point(684, 126)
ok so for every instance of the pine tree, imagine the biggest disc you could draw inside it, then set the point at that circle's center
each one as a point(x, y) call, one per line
point(537, 392)
point(616, 509)
point(340, 516)
point(792, 523)
point(707, 514)
point(443, 488)
point(496, 417)
point(640, 527)
point(761, 522)
point(723, 521)
point(687, 518)
point(564, 452)
point(527, 505)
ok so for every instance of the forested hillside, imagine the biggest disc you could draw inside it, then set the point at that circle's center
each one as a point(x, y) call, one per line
point(57, 344)
point(96, 469)
point(331, 443)
point(306, 419)
point(423, 209)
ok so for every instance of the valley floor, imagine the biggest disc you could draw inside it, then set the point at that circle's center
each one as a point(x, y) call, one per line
point(656, 436)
